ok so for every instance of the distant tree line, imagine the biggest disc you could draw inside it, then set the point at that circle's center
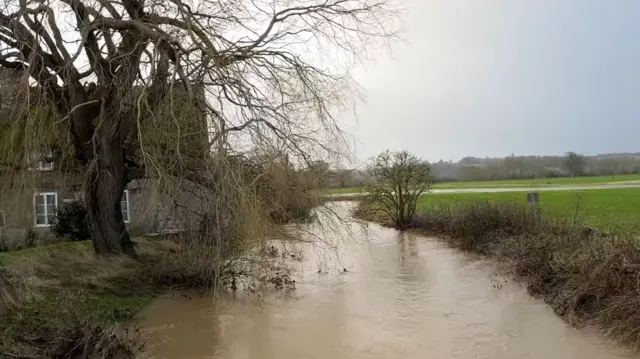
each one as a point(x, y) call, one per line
point(571, 164)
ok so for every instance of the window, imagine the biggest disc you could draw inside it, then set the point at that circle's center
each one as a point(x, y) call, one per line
point(43, 164)
point(124, 206)
point(44, 207)
point(38, 161)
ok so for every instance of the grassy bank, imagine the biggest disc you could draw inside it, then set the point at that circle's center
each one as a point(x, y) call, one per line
point(534, 182)
point(587, 277)
point(611, 210)
point(63, 301)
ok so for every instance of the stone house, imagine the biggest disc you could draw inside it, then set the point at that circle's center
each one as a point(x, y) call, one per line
point(27, 206)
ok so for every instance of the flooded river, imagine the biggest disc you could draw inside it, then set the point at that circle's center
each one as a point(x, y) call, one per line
point(403, 296)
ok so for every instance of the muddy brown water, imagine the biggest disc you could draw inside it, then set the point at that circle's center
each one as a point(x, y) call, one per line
point(403, 296)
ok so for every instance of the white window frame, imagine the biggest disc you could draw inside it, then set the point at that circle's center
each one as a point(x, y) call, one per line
point(46, 209)
point(125, 196)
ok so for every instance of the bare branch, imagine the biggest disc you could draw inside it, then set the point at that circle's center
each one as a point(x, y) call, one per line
point(171, 90)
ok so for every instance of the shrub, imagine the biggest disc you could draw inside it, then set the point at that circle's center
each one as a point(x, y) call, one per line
point(72, 221)
point(4, 247)
point(31, 239)
point(477, 226)
point(285, 194)
point(291, 205)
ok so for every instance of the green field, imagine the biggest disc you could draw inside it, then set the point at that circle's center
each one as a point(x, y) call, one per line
point(606, 209)
point(541, 182)
point(535, 182)
point(347, 190)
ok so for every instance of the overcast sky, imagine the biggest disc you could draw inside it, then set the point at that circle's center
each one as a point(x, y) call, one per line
point(495, 77)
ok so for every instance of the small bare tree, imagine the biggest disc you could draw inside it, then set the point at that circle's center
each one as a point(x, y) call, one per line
point(398, 181)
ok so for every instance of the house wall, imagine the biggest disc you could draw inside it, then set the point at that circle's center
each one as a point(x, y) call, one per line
point(18, 206)
point(154, 211)
point(149, 210)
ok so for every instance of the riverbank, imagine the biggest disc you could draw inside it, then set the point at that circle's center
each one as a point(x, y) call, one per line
point(587, 277)
point(63, 301)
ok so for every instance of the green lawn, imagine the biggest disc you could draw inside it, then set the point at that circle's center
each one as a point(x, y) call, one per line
point(347, 190)
point(535, 182)
point(606, 209)
point(541, 182)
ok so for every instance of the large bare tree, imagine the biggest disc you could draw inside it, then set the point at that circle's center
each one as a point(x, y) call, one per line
point(107, 74)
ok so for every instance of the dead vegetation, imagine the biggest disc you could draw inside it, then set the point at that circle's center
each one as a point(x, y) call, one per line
point(63, 301)
point(588, 278)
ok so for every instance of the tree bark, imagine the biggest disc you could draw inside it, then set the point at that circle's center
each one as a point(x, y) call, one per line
point(106, 181)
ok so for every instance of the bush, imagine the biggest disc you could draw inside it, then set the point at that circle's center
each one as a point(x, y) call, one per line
point(72, 221)
point(291, 206)
point(285, 194)
point(4, 247)
point(477, 226)
point(398, 181)
point(32, 239)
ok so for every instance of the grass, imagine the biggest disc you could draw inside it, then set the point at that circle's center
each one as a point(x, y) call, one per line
point(606, 209)
point(541, 182)
point(347, 190)
point(535, 182)
point(62, 300)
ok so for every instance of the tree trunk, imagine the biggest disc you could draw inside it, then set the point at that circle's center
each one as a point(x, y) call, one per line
point(105, 186)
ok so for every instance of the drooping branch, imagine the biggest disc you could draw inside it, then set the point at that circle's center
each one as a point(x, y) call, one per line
point(156, 88)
